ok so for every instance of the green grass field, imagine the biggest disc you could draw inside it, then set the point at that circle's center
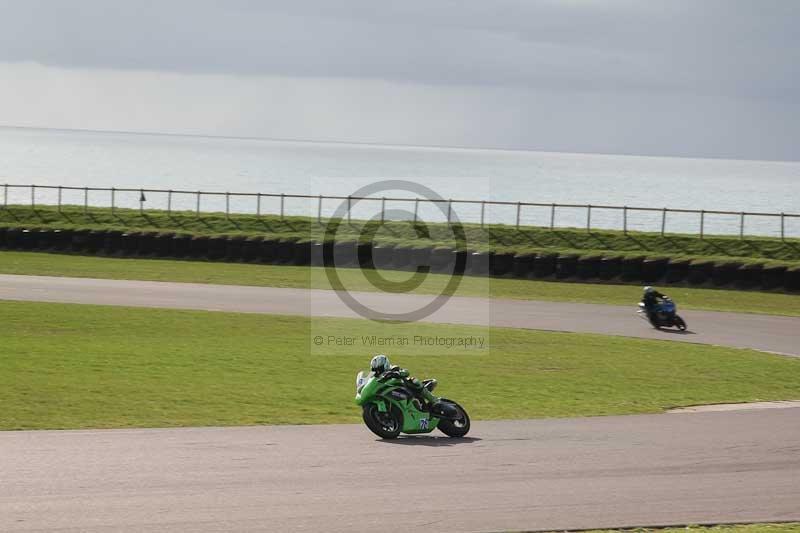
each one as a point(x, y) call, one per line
point(493, 237)
point(28, 263)
point(789, 527)
point(80, 366)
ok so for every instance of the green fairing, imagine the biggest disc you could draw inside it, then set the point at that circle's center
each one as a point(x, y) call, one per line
point(373, 391)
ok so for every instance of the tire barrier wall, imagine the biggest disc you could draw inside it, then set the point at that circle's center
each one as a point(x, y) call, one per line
point(478, 263)
point(609, 268)
point(566, 266)
point(654, 270)
point(501, 264)
point(547, 266)
point(523, 265)
point(383, 256)
point(589, 267)
point(677, 271)
point(632, 269)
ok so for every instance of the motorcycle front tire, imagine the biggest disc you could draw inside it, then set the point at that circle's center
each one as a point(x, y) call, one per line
point(680, 323)
point(455, 428)
point(384, 425)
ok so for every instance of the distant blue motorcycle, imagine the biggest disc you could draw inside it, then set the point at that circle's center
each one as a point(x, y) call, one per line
point(664, 315)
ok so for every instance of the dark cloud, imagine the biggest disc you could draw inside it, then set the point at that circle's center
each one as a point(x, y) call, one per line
point(728, 47)
point(652, 68)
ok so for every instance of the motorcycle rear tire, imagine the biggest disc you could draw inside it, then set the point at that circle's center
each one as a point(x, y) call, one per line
point(373, 421)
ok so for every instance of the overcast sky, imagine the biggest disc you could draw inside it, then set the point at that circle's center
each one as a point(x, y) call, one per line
point(671, 77)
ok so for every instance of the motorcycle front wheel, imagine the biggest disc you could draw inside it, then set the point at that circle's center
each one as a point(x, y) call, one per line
point(458, 427)
point(385, 425)
point(680, 323)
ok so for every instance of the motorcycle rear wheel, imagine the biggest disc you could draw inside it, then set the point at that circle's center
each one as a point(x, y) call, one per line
point(455, 428)
point(385, 425)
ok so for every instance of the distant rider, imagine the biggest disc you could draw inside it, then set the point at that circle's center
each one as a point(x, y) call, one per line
point(383, 370)
point(650, 299)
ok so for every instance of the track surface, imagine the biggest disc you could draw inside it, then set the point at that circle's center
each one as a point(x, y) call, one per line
point(762, 332)
point(538, 474)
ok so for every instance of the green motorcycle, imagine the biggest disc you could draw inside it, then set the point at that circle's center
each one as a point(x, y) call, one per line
point(390, 407)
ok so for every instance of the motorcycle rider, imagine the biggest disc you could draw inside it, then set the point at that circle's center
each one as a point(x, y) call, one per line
point(383, 370)
point(650, 299)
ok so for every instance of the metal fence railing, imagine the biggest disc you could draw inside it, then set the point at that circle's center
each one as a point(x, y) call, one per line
point(552, 215)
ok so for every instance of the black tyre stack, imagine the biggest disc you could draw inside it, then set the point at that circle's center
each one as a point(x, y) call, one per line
point(524, 265)
point(700, 272)
point(589, 267)
point(545, 266)
point(791, 279)
point(478, 263)
point(566, 266)
point(609, 268)
point(677, 271)
point(772, 277)
point(291, 251)
point(632, 269)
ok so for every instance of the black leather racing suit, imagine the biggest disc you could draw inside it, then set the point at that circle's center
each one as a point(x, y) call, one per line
point(650, 301)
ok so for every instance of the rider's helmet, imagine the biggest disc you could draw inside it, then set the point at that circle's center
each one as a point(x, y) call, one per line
point(379, 364)
point(648, 289)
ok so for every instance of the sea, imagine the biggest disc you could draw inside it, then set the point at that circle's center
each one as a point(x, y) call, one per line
point(53, 157)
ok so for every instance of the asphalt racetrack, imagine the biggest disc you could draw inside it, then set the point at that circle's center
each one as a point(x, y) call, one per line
point(556, 474)
point(761, 332)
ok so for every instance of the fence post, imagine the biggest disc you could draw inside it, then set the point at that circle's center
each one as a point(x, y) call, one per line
point(449, 210)
point(702, 222)
point(783, 227)
point(589, 218)
point(227, 205)
point(519, 205)
point(85, 200)
point(5, 195)
point(349, 206)
point(113, 200)
point(416, 209)
point(197, 206)
point(283, 198)
point(552, 216)
point(741, 226)
point(663, 221)
point(169, 202)
point(60, 190)
point(33, 197)
point(141, 201)
point(319, 210)
point(625, 219)
point(483, 210)
point(258, 204)
point(383, 208)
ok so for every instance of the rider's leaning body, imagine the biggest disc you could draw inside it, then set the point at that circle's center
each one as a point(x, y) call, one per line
point(650, 299)
point(383, 370)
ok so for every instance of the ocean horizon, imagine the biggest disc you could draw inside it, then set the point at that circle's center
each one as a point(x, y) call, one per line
point(253, 165)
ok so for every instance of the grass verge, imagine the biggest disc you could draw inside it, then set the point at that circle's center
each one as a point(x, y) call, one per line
point(30, 263)
point(491, 237)
point(81, 366)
